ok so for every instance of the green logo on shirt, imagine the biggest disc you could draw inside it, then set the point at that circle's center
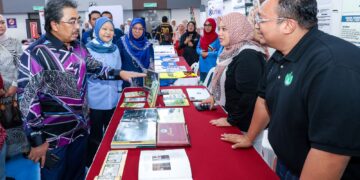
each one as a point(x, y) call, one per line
point(288, 79)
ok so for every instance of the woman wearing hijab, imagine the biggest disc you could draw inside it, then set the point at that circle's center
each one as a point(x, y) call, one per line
point(102, 95)
point(188, 42)
point(239, 69)
point(176, 38)
point(137, 53)
point(208, 48)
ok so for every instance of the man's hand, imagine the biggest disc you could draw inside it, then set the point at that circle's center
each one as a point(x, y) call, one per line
point(39, 153)
point(220, 122)
point(127, 75)
point(11, 91)
point(241, 141)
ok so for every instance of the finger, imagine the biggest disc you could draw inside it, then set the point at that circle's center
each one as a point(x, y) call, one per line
point(237, 145)
point(43, 159)
point(36, 159)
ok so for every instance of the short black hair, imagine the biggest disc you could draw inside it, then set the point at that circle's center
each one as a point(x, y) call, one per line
point(164, 19)
point(106, 12)
point(54, 11)
point(303, 11)
point(93, 12)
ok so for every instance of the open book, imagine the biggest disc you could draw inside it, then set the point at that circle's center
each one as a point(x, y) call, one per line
point(164, 164)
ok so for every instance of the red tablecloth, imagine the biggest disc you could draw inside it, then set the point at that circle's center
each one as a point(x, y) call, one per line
point(210, 158)
point(182, 62)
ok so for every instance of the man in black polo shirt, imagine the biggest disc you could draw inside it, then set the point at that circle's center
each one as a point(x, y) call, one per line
point(310, 95)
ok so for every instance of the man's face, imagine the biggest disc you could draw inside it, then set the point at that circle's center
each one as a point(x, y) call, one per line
point(267, 23)
point(2, 26)
point(67, 30)
point(107, 15)
point(93, 18)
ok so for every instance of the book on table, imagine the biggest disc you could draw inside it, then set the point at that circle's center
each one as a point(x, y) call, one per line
point(137, 128)
point(164, 164)
point(113, 165)
point(153, 94)
point(197, 94)
point(175, 100)
point(171, 115)
point(172, 134)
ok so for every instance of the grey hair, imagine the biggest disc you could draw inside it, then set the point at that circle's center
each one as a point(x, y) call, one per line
point(54, 11)
point(303, 11)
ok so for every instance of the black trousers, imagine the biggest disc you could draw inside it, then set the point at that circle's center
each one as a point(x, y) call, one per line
point(99, 122)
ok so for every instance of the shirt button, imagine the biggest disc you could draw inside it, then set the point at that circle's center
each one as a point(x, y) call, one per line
point(282, 66)
point(279, 77)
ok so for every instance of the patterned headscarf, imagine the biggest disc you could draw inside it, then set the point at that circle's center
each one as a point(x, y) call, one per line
point(241, 34)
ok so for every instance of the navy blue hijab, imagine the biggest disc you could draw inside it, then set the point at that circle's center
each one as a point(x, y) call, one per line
point(139, 49)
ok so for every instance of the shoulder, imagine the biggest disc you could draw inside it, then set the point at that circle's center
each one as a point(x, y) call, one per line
point(249, 57)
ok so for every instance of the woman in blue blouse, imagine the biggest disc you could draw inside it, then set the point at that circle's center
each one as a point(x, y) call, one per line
point(137, 53)
point(208, 48)
point(102, 95)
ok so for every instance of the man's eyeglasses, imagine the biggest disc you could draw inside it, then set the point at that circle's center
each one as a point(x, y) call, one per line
point(208, 25)
point(259, 20)
point(137, 29)
point(72, 22)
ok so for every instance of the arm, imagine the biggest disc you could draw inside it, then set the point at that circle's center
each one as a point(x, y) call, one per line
point(216, 47)
point(182, 41)
point(198, 49)
point(324, 165)
point(30, 107)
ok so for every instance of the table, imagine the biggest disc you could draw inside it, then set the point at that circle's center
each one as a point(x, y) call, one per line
point(210, 158)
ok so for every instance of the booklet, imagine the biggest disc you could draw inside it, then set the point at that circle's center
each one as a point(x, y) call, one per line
point(164, 164)
point(171, 115)
point(153, 94)
point(172, 134)
point(171, 91)
point(136, 99)
point(132, 105)
point(197, 94)
point(134, 94)
point(113, 165)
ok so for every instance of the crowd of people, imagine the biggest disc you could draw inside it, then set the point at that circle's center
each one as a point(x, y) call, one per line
point(59, 93)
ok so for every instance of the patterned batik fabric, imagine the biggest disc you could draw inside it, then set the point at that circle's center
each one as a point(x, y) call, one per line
point(52, 87)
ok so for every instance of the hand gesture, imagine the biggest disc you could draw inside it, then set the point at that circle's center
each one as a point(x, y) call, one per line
point(127, 75)
point(210, 100)
point(240, 141)
point(204, 54)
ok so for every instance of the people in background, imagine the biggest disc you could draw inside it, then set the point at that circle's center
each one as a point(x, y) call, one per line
point(102, 95)
point(309, 96)
point(176, 38)
point(127, 26)
point(88, 35)
point(164, 32)
point(147, 34)
point(208, 48)
point(11, 44)
point(188, 42)
point(118, 32)
point(52, 90)
point(239, 69)
point(137, 53)
point(173, 24)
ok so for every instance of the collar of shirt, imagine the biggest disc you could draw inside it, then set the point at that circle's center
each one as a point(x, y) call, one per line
point(58, 44)
point(299, 49)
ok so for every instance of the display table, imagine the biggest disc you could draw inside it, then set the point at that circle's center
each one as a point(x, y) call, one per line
point(186, 81)
point(210, 158)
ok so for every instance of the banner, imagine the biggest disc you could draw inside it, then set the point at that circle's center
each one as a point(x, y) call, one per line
point(215, 8)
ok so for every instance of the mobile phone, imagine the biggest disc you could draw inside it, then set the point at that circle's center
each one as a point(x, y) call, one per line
point(202, 106)
point(51, 160)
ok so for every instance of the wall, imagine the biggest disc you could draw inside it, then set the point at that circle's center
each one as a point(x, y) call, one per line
point(20, 6)
point(19, 32)
point(181, 14)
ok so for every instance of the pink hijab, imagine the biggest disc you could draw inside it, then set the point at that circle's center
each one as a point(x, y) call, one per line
point(241, 33)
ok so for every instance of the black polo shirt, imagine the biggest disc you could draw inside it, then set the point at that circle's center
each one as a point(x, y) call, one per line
point(313, 96)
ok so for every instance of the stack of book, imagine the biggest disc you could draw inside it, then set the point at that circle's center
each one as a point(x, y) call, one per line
point(174, 97)
point(151, 127)
point(134, 99)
